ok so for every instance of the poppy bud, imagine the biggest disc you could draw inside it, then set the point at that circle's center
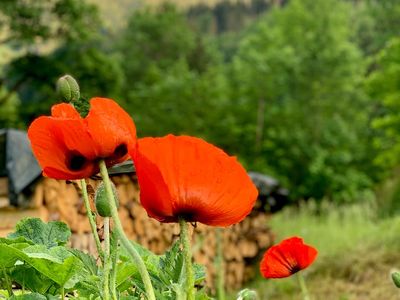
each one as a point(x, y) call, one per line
point(247, 294)
point(101, 200)
point(68, 88)
point(396, 278)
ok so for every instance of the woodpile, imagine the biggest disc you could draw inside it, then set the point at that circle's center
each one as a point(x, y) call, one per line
point(243, 242)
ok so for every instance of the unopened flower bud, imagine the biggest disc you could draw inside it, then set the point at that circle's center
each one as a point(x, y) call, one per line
point(396, 278)
point(102, 202)
point(68, 88)
point(247, 294)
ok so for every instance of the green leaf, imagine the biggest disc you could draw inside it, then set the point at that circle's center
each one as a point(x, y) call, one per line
point(202, 295)
point(33, 296)
point(89, 288)
point(8, 255)
point(172, 263)
point(31, 279)
point(199, 273)
point(127, 269)
point(35, 230)
point(57, 263)
point(88, 261)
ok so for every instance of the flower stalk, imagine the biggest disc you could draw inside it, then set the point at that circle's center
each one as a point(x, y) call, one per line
point(303, 286)
point(107, 261)
point(122, 236)
point(114, 261)
point(187, 252)
point(92, 221)
point(219, 262)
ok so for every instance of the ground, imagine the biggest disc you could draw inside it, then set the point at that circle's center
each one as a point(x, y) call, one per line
point(357, 253)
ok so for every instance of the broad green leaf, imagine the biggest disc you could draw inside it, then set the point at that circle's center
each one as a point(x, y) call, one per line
point(9, 254)
point(19, 240)
point(51, 234)
point(57, 263)
point(33, 296)
point(31, 279)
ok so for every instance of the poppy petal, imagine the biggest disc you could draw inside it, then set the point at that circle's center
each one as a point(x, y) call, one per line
point(154, 194)
point(56, 142)
point(275, 266)
point(204, 184)
point(113, 127)
point(64, 111)
point(287, 258)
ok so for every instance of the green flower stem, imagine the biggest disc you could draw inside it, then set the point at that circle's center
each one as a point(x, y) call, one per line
point(107, 261)
point(219, 262)
point(8, 283)
point(92, 221)
point(114, 260)
point(187, 251)
point(303, 286)
point(124, 239)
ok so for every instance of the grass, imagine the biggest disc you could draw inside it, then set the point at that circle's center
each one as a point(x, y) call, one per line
point(357, 252)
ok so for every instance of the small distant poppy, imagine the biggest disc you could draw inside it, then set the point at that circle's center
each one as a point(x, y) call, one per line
point(68, 146)
point(288, 257)
point(186, 177)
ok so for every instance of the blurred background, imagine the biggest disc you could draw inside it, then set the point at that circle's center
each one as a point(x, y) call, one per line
point(305, 91)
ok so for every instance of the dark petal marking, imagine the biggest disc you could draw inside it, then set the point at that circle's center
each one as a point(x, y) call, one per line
point(76, 161)
point(189, 215)
point(295, 269)
point(120, 151)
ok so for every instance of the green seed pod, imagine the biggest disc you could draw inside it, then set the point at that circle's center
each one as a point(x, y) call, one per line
point(68, 88)
point(396, 278)
point(101, 200)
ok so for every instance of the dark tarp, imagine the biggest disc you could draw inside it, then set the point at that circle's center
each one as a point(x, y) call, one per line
point(272, 196)
point(17, 163)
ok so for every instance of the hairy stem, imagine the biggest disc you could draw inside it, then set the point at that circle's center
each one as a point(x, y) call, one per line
point(92, 221)
point(187, 251)
point(303, 286)
point(219, 262)
point(122, 236)
point(114, 260)
point(106, 268)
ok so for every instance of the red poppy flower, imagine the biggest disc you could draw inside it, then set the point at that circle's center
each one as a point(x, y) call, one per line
point(287, 258)
point(68, 146)
point(186, 177)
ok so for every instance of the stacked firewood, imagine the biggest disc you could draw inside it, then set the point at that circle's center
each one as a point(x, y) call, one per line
point(243, 242)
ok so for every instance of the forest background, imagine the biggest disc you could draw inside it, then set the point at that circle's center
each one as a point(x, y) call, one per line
point(307, 91)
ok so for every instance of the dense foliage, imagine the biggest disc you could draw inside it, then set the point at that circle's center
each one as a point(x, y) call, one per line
point(36, 258)
point(306, 91)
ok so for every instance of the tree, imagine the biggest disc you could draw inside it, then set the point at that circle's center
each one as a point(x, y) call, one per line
point(69, 32)
point(382, 85)
point(298, 77)
point(376, 22)
point(26, 22)
point(173, 83)
point(98, 73)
